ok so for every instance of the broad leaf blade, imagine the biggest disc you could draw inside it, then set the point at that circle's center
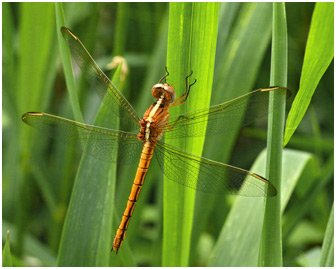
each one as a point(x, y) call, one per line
point(188, 51)
point(271, 243)
point(87, 232)
point(6, 254)
point(318, 55)
point(327, 257)
point(237, 67)
point(240, 236)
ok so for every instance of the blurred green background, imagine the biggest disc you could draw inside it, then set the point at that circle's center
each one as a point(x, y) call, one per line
point(38, 172)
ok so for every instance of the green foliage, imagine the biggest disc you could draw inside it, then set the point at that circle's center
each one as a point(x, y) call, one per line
point(6, 254)
point(270, 254)
point(327, 255)
point(67, 66)
point(244, 222)
point(318, 55)
point(91, 199)
point(188, 51)
point(63, 210)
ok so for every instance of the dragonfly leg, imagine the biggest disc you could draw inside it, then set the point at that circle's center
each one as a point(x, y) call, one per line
point(184, 97)
point(165, 76)
point(169, 127)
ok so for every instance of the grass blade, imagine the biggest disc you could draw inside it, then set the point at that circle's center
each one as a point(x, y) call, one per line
point(36, 46)
point(318, 56)
point(187, 50)
point(303, 205)
point(327, 257)
point(247, 43)
point(67, 64)
point(87, 232)
point(6, 254)
point(8, 61)
point(244, 222)
point(271, 244)
point(32, 246)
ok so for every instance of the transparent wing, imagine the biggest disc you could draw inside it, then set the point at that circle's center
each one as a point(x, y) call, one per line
point(222, 118)
point(111, 96)
point(209, 176)
point(101, 143)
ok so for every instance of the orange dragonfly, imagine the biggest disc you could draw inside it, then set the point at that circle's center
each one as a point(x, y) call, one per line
point(187, 169)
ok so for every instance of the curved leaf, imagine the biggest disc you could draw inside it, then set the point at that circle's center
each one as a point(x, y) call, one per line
point(318, 55)
point(240, 235)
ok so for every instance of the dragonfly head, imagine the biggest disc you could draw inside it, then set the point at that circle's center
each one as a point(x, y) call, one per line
point(166, 89)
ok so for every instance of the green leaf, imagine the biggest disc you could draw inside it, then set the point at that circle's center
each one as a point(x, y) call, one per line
point(310, 191)
point(247, 42)
point(9, 79)
point(6, 254)
point(32, 247)
point(240, 235)
point(67, 64)
point(318, 55)
point(188, 50)
point(33, 89)
point(271, 244)
point(327, 257)
point(87, 231)
point(309, 258)
point(37, 44)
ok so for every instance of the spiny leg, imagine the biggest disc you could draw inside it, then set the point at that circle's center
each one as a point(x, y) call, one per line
point(165, 76)
point(186, 94)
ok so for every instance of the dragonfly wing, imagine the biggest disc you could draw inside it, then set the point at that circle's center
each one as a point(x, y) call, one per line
point(111, 96)
point(102, 143)
point(209, 176)
point(222, 118)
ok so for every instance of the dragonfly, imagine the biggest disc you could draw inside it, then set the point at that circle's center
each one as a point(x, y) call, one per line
point(122, 147)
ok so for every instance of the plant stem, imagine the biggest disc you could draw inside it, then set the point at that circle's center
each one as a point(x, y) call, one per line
point(271, 244)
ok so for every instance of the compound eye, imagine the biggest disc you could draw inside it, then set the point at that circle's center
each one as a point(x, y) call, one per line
point(171, 92)
point(166, 89)
point(157, 90)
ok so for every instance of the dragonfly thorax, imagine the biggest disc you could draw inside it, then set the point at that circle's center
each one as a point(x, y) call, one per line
point(157, 113)
point(166, 89)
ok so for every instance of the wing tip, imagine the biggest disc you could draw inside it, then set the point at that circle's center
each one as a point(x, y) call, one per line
point(66, 31)
point(271, 190)
point(273, 88)
point(25, 115)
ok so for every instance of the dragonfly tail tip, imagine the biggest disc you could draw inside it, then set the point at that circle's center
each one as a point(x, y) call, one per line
point(112, 249)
